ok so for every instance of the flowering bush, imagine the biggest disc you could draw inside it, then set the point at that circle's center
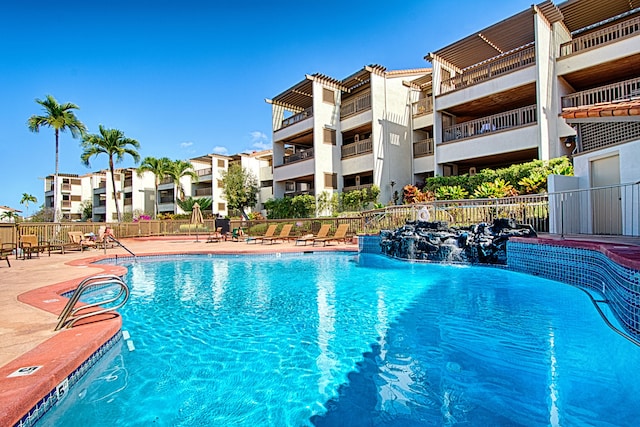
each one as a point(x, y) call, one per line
point(142, 218)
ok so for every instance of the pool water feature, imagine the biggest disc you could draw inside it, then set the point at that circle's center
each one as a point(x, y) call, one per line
point(342, 339)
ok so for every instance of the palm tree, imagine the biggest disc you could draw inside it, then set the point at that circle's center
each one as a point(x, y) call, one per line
point(113, 143)
point(26, 199)
point(179, 169)
point(60, 118)
point(160, 168)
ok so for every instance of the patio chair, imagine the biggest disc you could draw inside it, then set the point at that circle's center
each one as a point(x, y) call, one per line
point(270, 232)
point(284, 235)
point(339, 236)
point(322, 233)
point(235, 235)
point(30, 245)
point(216, 236)
point(7, 249)
point(78, 240)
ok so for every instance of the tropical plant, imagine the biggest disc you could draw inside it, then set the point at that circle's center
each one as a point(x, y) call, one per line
point(26, 199)
point(61, 118)
point(187, 204)
point(240, 188)
point(179, 169)
point(11, 216)
point(160, 168)
point(534, 183)
point(451, 192)
point(494, 190)
point(115, 145)
point(86, 209)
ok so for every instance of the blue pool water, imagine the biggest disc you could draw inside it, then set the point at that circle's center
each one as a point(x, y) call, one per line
point(354, 340)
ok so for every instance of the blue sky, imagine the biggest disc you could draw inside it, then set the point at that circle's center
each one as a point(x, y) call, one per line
point(187, 78)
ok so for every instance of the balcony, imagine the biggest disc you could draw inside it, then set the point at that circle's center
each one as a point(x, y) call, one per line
point(422, 148)
point(423, 106)
point(66, 188)
point(485, 125)
point(298, 156)
point(606, 35)
point(128, 182)
point(203, 172)
point(66, 203)
point(356, 105)
point(357, 148)
point(494, 67)
point(203, 192)
point(297, 117)
point(608, 93)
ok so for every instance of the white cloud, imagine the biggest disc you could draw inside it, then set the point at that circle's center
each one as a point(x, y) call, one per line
point(186, 144)
point(260, 141)
point(220, 150)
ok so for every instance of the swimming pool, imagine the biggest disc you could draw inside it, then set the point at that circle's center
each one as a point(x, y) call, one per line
point(342, 339)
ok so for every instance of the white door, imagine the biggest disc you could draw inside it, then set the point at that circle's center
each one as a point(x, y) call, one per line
point(606, 202)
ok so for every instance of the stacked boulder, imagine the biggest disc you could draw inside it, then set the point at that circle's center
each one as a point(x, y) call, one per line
point(436, 241)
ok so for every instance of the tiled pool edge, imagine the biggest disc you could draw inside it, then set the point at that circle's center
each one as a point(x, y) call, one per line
point(586, 265)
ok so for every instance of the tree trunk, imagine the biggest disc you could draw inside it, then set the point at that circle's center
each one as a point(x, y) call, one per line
point(115, 193)
point(55, 182)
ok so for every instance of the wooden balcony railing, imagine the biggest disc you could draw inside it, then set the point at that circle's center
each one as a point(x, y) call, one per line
point(490, 68)
point(202, 172)
point(422, 148)
point(128, 182)
point(299, 156)
point(363, 146)
point(423, 106)
point(507, 120)
point(608, 93)
point(65, 187)
point(203, 192)
point(606, 35)
point(297, 117)
point(356, 105)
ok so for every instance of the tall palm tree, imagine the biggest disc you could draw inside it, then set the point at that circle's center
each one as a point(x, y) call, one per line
point(114, 144)
point(26, 199)
point(179, 169)
point(160, 168)
point(61, 118)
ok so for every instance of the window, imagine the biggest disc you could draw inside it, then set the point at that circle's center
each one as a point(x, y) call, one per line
point(329, 136)
point(328, 96)
point(220, 163)
point(331, 180)
point(268, 183)
point(221, 207)
point(220, 184)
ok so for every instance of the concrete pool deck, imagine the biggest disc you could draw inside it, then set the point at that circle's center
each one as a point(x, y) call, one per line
point(30, 303)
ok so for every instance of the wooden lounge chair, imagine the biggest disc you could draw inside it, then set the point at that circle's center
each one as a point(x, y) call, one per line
point(216, 236)
point(78, 241)
point(339, 236)
point(284, 235)
point(30, 245)
point(322, 233)
point(270, 232)
point(7, 249)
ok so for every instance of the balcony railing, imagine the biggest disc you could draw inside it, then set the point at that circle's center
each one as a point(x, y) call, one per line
point(299, 156)
point(507, 120)
point(102, 184)
point(604, 36)
point(491, 68)
point(422, 148)
point(65, 187)
point(608, 93)
point(297, 117)
point(202, 172)
point(356, 187)
point(356, 105)
point(128, 182)
point(423, 106)
point(357, 148)
point(204, 191)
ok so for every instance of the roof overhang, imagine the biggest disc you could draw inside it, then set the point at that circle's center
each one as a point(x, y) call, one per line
point(580, 14)
point(629, 108)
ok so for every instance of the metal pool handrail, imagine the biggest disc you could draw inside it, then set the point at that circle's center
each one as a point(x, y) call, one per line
point(69, 315)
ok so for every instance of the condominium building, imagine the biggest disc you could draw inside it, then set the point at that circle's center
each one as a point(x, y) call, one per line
point(260, 165)
point(72, 190)
point(339, 135)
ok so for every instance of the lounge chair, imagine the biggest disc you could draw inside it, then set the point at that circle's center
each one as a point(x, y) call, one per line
point(270, 232)
point(30, 245)
point(7, 249)
point(104, 237)
point(339, 236)
point(322, 233)
point(284, 235)
point(216, 236)
point(78, 240)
